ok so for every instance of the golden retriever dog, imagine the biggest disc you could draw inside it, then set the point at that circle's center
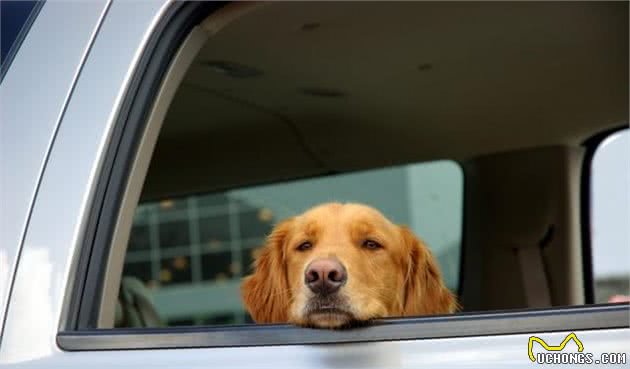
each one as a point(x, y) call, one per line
point(338, 265)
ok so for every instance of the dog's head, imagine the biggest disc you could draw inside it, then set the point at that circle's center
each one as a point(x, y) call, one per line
point(338, 264)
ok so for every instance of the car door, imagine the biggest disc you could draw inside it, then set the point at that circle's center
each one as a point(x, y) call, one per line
point(67, 256)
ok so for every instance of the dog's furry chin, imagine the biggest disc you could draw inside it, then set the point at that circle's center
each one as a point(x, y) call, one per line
point(335, 323)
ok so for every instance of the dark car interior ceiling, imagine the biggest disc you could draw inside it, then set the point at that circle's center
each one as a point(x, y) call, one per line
point(294, 89)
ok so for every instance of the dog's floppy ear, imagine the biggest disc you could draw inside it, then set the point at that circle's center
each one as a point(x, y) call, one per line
point(425, 292)
point(266, 292)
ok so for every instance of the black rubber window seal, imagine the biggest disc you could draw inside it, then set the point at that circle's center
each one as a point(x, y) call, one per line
point(572, 318)
point(168, 36)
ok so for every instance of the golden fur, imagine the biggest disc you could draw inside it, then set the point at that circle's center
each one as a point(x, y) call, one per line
point(401, 278)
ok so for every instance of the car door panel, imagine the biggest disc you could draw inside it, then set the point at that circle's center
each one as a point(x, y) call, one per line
point(35, 91)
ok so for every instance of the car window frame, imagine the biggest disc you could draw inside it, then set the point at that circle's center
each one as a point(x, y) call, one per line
point(169, 34)
point(570, 318)
point(79, 331)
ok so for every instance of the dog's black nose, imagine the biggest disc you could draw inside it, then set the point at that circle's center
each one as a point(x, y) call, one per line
point(325, 276)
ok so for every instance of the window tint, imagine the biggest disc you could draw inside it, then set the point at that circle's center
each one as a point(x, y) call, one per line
point(610, 218)
point(192, 252)
point(13, 16)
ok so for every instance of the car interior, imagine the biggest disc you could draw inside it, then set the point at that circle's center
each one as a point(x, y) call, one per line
point(465, 120)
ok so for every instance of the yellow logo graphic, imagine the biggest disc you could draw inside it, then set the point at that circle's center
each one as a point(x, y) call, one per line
point(560, 347)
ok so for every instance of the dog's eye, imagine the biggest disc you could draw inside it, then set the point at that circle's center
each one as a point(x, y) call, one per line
point(304, 246)
point(372, 245)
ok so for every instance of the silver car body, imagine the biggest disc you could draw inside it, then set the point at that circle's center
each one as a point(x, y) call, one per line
point(56, 123)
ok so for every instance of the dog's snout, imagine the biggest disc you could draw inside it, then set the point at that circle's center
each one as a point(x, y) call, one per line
point(325, 276)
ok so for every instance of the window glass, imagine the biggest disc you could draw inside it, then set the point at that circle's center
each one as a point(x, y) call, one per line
point(191, 252)
point(610, 219)
point(13, 16)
